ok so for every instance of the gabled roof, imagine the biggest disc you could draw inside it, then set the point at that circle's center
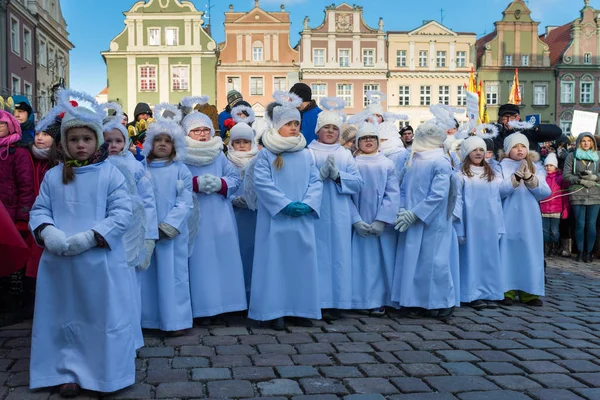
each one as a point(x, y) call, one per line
point(558, 41)
point(104, 91)
point(481, 42)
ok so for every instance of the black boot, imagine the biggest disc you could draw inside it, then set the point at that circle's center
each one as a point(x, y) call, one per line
point(578, 258)
point(547, 249)
point(584, 257)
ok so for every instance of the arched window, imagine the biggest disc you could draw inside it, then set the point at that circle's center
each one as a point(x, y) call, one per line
point(586, 89)
point(567, 89)
point(566, 120)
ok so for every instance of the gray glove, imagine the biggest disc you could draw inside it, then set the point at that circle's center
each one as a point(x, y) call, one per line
point(362, 228)
point(80, 242)
point(588, 184)
point(462, 240)
point(239, 202)
point(514, 180)
point(324, 171)
point(55, 240)
point(377, 228)
point(213, 184)
point(149, 247)
point(167, 230)
point(334, 172)
point(533, 182)
point(591, 177)
point(405, 219)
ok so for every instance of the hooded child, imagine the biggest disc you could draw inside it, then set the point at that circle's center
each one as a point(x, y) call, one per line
point(83, 329)
point(521, 247)
point(423, 276)
point(341, 180)
point(166, 303)
point(23, 112)
point(374, 239)
point(309, 110)
point(216, 269)
point(391, 144)
point(555, 207)
point(285, 274)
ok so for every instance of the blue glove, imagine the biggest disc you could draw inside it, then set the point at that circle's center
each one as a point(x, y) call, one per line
point(303, 209)
point(296, 209)
point(288, 210)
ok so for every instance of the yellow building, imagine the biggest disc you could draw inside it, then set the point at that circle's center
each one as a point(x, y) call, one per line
point(428, 65)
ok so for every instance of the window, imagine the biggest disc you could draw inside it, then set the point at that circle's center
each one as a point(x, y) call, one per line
point(319, 90)
point(26, 44)
point(402, 124)
point(28, 91)
point(43, 102)
point(401, 58)
point(425, 95)
point(404, 96)
point(154, 37)
point(461, 58)
point(344, 57)
point(61, 65)
point(319, 57)
point(14, 36)
point(461, 95)
point(565, 126)
point(180, 77)
point(257, 54)
point(147, 78)
point(280, 83)
point(43, 53)
point(567, 92)
point(587, 58)
point(423, 58)
point(256, 86)
point(368, 57)
point(172, 36)
point(441, 59)
point(16, 85)
point(539, 95)
point(444, 95)
point(525, 61)
point(367, 88)
point(491, 94)
point(507, 60)
point(344, 91)
point(51, 55)
point(587, 92)
point(234, 83)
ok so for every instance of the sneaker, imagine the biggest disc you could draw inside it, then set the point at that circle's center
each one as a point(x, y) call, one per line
point(535, 303)
point(277, 324)
point(298, 321)
point(445, 313)
point(69, 390)
point(507, 301)
point(478, 304)
point(331, 314)
point(491, 304)
point(378, 312)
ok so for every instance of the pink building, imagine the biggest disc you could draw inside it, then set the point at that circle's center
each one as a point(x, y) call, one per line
point(21, 51)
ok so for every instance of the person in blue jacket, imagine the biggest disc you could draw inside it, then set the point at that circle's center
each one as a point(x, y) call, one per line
point(24, 114)
point(233, 97)
point(309, 111)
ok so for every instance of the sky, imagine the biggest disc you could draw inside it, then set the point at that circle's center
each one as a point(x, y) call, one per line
point(92, 24)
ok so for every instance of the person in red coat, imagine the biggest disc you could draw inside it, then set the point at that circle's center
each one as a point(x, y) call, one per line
point(555, 207)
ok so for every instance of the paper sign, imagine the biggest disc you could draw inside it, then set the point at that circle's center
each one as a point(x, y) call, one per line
point(472, 106)
point(583, 121)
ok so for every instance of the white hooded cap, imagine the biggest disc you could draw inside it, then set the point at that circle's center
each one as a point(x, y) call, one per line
point(470, 144)
point(241, 130)
point(282, 115)
point(367, 129)
point(196, 120)
point(375, 109)
point(327, 117)
point(551, 160)
point(428, 136)
point(512, 140)
point(82, 118)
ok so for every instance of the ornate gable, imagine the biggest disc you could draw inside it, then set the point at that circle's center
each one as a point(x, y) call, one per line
point(163, 6)
point(517, 11)
point(432, 28)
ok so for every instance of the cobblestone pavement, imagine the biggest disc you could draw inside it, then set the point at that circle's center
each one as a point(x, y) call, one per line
point(514, 353)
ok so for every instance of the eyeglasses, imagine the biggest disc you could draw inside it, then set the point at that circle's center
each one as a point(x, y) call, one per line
point(511, 117)
point(200, 131)
point(368, 138)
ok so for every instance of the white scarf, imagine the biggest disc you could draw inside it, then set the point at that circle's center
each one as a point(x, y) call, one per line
point(278, 144)
point(241, 158)
point(202, 153)
point(390, 146)
point(40, 154)
point(328, 148)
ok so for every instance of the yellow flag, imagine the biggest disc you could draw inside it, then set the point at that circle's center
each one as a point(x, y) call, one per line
point(515, 90)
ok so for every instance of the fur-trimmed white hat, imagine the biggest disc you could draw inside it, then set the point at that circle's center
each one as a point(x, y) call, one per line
point(83, 118)
point(331, 114)
point(514, 139)
point(285, 109)
point(241, 130)
point(471, 143)
point(166, 126)
point(115, 122)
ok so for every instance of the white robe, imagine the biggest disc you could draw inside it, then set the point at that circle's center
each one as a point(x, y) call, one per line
point(334, 227)
point(481, 276)
point(285, 273)
point(423, 274)
point(522, 246)
point(216, 270)
point(373, 257)
point(83, 327)
point(399, 155)
point(166, 301)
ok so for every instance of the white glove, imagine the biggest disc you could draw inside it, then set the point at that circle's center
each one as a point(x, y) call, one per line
point(149, 247)
point(55, 240)
point(334, 172)
point(362, 228)
point(203, 183)
point(239, 202)
point(377, 228)
point(213, 184)
point(534, 182)
point(405, 219)
point(80, 242)
point(324, 171)
point(167, 230)
point(462, 240)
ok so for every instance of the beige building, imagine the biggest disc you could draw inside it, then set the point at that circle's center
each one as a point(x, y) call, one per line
point(344, 57)
point(428, 65)
point(256, 58)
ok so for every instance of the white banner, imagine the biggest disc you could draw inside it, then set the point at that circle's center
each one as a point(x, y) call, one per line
point(583, 121)
point(472, 107)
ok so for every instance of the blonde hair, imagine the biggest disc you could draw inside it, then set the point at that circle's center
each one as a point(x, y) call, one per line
point(151, 156)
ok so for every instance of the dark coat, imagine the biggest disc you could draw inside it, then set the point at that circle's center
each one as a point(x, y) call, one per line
point(535, 135)
point(16, 183)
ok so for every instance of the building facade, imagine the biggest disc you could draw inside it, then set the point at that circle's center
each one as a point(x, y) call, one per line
point(20, 50)
point(515, 44)
point(428, 65)
point(344, 57)
point(256, 58)
point(575, 54)
point(53, 47)
point(162, 55)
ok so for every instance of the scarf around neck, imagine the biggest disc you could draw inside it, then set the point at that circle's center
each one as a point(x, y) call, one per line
point(587, 155)
point(202, 153)
point(40, 154)
point(100, 155)
point(241, 159)
point(278, 144)
point(5, 143)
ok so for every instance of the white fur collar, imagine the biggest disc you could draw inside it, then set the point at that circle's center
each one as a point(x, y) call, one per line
point(202, 153)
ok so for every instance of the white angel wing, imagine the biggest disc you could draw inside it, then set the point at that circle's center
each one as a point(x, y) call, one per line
point(193, 224)
point(133, 239)
point(249, 192)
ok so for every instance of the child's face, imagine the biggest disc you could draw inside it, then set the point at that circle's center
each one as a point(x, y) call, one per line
point(368, 144)
point(550, 168)
point(290, 129)
point(43, 140)
point(489, 154)
point(21, 116)
point(379, 118)
point(518, 152)
point(81, 143)
point(477, 156)
point(115, 140)
point(242, 145)
point(451, 131)
point(124, 121)
point(163, 146)
point(586, 143)
point(201, 134)
point(329, 134)
point(3, 129)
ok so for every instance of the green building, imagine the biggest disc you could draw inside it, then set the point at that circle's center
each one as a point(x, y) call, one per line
point(162, 55)
point(515, 43)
